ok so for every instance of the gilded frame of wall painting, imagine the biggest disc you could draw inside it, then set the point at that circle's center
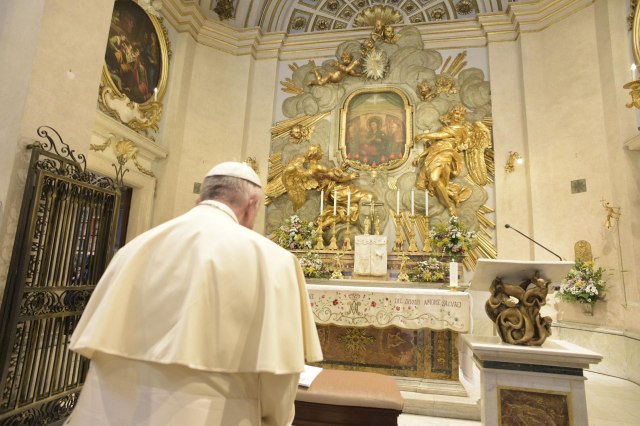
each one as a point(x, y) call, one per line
point(135, 73)
point(376, 129)
point(636, 34)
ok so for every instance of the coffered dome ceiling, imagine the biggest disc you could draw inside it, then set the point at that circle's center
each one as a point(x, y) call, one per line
point(306, 16)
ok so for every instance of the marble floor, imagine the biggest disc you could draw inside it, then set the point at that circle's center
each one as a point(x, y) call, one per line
point(611, 401)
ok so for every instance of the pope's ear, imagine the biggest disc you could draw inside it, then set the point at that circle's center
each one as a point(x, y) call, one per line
point(254, 201)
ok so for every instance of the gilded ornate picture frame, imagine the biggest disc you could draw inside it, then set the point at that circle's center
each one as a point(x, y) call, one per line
point(376, 129)
point(636, 35)
point(135, 72)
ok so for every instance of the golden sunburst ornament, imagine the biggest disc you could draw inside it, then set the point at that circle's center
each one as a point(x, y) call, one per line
point(387, 15)
point(375, 64)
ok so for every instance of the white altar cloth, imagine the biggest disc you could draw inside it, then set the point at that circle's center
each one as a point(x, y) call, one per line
point(409, 308)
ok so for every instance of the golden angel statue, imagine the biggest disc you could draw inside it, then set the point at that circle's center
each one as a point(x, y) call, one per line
point(613, 214)
point(305, 172)
point(441, 161)
point(383, 32)
point(346, 66)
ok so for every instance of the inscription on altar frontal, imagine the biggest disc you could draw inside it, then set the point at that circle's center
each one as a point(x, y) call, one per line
point(429, 302)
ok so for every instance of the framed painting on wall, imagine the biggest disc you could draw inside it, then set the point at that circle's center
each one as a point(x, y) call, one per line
point(136, 63)
point(375, 129)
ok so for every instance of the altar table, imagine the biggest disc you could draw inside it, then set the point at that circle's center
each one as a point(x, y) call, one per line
point(408, 332)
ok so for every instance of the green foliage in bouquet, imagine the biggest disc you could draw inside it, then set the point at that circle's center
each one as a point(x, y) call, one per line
point(295, 234)
point(312, 266)
point(584, 283)
point(428, 271)
point(452, 238)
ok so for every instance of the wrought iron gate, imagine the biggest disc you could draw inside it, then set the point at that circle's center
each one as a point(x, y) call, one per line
point(63, 244)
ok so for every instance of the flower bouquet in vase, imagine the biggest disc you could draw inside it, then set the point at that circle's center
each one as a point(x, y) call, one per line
point(313, 267)
point(452, 239)
point(295, 234)
point(428, 271)
point(583, 284)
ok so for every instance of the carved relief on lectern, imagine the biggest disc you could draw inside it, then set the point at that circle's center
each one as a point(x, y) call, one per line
point(515, 309)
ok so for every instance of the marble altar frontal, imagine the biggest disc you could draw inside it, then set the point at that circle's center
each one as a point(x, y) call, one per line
point(370, 255)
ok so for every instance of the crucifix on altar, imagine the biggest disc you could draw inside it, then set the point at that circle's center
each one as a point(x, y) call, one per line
point(372, 219)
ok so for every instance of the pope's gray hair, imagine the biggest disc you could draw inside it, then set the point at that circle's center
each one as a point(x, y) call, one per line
point(228, 189)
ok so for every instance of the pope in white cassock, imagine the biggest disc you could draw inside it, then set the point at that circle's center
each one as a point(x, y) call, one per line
point(199, 321)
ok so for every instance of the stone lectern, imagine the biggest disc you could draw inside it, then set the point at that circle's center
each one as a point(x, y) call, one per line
point(522, 376)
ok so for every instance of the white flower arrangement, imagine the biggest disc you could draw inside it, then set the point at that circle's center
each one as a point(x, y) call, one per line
point(430, 270)
point(453, 238)
point(313, 267)
point(295, 234)
point(584, 283)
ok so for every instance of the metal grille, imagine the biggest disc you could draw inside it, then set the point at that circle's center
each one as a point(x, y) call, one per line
point(64, 241)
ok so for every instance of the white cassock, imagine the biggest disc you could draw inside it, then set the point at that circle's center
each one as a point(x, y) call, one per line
point(199, 321)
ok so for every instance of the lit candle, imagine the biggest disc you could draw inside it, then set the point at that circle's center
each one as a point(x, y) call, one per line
point(426, 203)
point(155, 94)
point(321, 201)
point(412, 203)
point(453, 274)
point(349, 201)
point(633, 72)
point(335, 201)
point(398, 202)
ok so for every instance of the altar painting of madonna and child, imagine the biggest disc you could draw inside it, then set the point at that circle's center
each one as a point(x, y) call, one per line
point(375, 128)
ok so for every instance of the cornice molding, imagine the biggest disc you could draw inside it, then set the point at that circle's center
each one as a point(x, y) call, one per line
point(519, 18)
point(534, 16)
point(183, 17)
point(446, 35)
point(250, 41)
point(106, 126)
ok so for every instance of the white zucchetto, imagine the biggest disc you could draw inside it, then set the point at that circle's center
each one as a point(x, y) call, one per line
point(236, 169)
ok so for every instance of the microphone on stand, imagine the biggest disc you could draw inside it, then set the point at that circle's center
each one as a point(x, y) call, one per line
point(532, 240)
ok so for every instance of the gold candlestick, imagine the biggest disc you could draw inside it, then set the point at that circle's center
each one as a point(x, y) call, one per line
point(346, 243)
point(337, 269)
point(402, 275)
point(426, 244)
point(413, 247)
point(319, 239)
point(398, 243)
point(333, 244)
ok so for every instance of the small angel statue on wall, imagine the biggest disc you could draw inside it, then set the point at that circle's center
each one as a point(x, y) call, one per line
point(613, 214)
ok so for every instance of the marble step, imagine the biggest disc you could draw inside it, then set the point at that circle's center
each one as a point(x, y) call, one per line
point(434, 405)
point(437, 398)
point(440, 387)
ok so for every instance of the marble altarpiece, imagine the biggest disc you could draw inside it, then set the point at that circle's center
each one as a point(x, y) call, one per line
point(386, 140)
